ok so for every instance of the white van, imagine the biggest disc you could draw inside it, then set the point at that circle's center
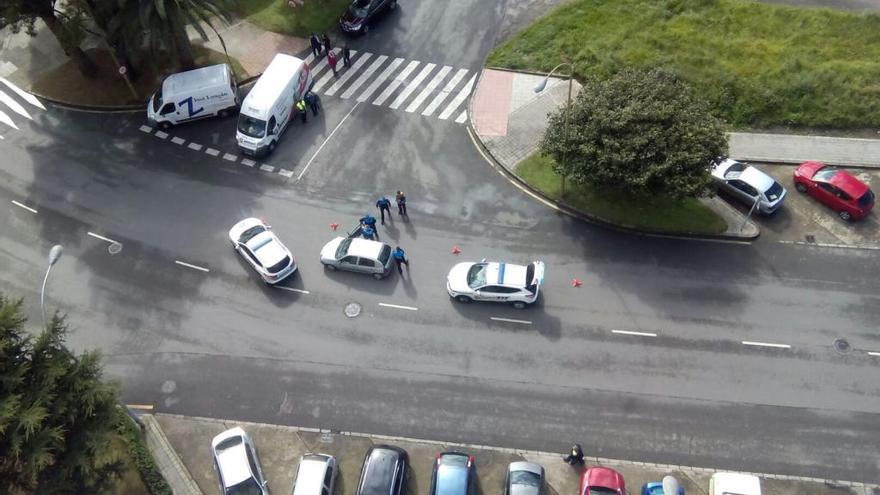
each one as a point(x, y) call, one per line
point(270, 105)
point(194, 94)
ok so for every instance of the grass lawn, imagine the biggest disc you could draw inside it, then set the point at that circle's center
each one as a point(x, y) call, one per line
point(65, 83)
point(277, 16)
point(130, 483)
point(656, 214)
point(758, 64)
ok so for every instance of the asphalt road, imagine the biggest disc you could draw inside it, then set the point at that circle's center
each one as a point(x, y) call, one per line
point(221, 343)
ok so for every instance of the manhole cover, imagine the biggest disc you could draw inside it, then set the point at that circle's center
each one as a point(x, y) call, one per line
point(115, 248)
point(842, 346)
point(352, 309)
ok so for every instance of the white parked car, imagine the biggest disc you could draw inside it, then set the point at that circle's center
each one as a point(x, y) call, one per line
point(316, 475)
point(355, 254)
point(256, 243)
point(497, 282)
point(734, 484)
point(237, 465)
point(747, 184)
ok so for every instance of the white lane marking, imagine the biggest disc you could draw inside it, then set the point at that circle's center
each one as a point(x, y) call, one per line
point(6, 120)
point(459, 98)
point(412, 86)
point(637, 334)
point(766, 344)
point(195, 146)
point(444, 93)
point(285, 172)
point(177, 140)
point(267, 168)
point(379, 80)
point(432, 85)
point(327, 140)
point(28, 208)
point(397, 81)
point(194, 267)
point(348, 74)
point(397, 306)
point(320, 66)
point(291, 289)
point(23, 94)
point(161, 135)
point(141, 407)
point(829, 245)
point(105, 239)
point(230, 157)
point(212, 151)
point(508, 320)
point(461, 118)
point(14, 105)
point(310, 58)
point(247, 162)
point(146, 128)
point(366, 75)
point(872, 353)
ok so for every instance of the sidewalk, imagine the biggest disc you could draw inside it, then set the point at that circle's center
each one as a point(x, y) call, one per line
point(279, 449)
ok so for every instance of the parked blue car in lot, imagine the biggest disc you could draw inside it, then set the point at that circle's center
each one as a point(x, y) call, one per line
point(656, 488)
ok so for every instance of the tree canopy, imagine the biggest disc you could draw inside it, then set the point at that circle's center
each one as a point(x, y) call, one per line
point(56, 412)
point(642, 131)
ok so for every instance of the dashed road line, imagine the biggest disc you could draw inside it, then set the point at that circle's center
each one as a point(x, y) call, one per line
point(873, 353)
point(292, 289)
point(766, 344)
point(195, 146)
point(178, 140)
point(267, 168)
point(194, 267)
point(105, 239)
point(146, 128)
point(509, 320)
point(230, 157)
point(26, 207)
point(398, 306)
point(247, 162)
point(637, 334)
point(161, 134)
point(212, 151)
point(327, 140)
point(286, 173)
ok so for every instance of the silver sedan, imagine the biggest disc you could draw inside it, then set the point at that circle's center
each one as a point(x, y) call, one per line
point(748, 184)
point(524, 478)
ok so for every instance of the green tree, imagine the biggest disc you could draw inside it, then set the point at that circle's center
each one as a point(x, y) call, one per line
point(67, 26)
point(641, 131)
point(56, 412)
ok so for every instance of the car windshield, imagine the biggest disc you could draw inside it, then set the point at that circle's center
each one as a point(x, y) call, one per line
point(246, 487)
point(249, 233)
point(525, 478)
point(826, 173)
point(598, 490)
point(385, 254)
point(281, 265)
point(157, 100)
point(775, 192)
point(249, 126)
point(476, 276)
point(451, 480)
point(734, 170)
point(866, 199)
point(343, 248)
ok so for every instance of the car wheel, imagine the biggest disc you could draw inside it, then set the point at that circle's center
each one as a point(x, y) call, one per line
point(463, 299)
point(165, 125)
point(519, 305)
point(365, 29)
point(378, 276)
point(800, 187)
point(329, 267)
point(844, 215)
point(272, 146)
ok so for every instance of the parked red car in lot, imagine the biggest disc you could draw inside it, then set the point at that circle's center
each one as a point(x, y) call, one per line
point(602, 481)
point(836, 188)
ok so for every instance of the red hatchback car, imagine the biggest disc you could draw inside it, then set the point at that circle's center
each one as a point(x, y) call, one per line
point(602, 481)
point(838, 189)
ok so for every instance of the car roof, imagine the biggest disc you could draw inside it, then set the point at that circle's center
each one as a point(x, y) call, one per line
point(505, 274)
point(267, 248)
point(741, 484)
point(232, 460)
point(190, 81)
point(379, 467)
point(847, 183)
point(526, 466)
point(365, 248)
point(604, 477)
point(310, 474)
point(757, 179)
point(452, 477)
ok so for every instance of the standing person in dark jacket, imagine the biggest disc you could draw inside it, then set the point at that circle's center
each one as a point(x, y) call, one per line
point(576, 456)
point(331, 59)
point(327, 46)
point(312, 102)
point(384, 204)
point(400, 259)
point(316, 45)
point(401, 204)
point(346, 56)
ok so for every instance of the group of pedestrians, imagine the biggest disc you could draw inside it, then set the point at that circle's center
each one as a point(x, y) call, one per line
point(368, 229)
point(323, 46)
point(309, 101)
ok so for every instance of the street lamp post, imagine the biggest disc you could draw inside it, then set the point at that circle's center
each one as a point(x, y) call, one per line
point(540, 87)
point(54, 256)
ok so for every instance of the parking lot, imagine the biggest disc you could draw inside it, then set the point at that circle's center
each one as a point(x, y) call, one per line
point(802, 219)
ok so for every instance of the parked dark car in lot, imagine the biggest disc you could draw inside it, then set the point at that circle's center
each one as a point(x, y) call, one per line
point(454, 474)
point(836, 188)
point(384, 471)
point(359, 15)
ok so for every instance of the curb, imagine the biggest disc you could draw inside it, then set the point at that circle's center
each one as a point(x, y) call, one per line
point(169, 463)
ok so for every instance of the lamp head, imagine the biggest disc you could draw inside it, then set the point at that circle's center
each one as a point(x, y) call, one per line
point(541, 85)
point(55, 254)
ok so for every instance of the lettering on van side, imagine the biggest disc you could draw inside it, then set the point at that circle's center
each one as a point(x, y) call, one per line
point(189, 106)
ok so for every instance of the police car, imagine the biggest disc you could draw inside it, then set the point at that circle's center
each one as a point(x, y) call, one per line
point(497, 282)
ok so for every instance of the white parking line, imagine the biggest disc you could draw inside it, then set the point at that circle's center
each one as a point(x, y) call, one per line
point(105, 239)
point(212, 151)
point(285, 173)
point(637, 334)
point(267, 168)
point(327, 140)
point(194, 267)
point(178, 140)
point(28, 208)
point(195, 146)
point(146, 128)
point(161, 135)
point(411, 308)
point(872, 353)
point(248, 162)
point(508, 320)
point(766, 344)
point(291, 289)
point(230, 157)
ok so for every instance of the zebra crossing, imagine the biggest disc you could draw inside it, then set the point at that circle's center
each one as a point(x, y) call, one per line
point(413, 86)
point(12, 104)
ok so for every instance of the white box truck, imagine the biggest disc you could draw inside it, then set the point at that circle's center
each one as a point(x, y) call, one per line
point(194, 94)
point(268, 108)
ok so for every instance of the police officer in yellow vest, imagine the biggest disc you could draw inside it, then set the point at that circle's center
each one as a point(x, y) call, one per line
point(301, 108)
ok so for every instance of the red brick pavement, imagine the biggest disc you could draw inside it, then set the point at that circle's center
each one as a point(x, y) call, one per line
point(491, 105)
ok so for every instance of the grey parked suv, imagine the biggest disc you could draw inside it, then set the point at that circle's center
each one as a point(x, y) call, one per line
point(384, 471)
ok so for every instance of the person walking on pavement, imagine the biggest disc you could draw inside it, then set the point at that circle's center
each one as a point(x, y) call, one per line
point(400, 259)
point(331, 59)
point(301, 109)
point(384, 204)
point(346, 56)
point(576, 456)
point(316, 45)
point(312, 102)
point(401, 204)
point(327, 46)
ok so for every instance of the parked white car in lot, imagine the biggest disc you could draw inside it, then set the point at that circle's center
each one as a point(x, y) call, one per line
point(237, 465)
point(256, 243)
point(748, 184)
point(734, 483)
point(497, 282)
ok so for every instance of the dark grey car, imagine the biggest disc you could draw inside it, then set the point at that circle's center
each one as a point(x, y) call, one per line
point(384, 471)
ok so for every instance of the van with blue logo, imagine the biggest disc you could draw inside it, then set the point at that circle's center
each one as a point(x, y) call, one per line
point(194, 94)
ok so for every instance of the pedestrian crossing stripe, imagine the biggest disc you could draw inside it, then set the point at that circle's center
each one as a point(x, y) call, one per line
point(8, 101)
point(412, 86)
